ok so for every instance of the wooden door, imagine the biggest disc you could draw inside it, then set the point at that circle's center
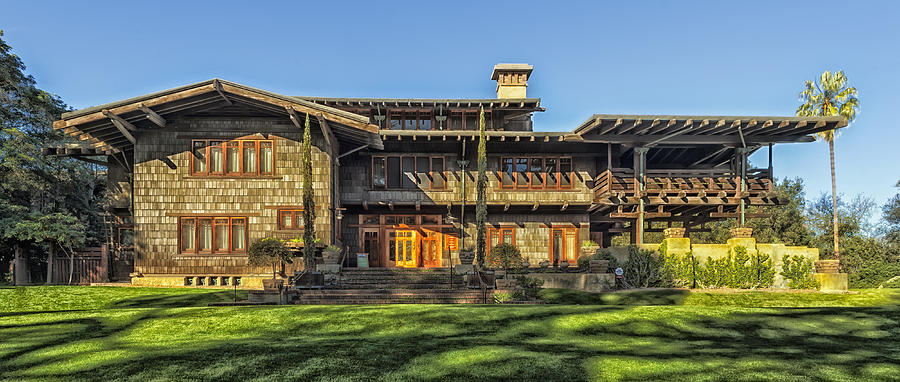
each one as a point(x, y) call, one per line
point(563, 245)
point(371, 245)
point(407, 248)
point(431, 249)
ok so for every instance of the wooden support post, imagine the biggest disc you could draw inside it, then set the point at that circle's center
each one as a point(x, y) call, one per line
point(152, 116)
point(640, 169)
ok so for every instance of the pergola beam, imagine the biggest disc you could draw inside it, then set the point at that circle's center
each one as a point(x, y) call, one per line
point(152, 115)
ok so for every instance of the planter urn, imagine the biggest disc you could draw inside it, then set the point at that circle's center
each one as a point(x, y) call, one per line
point(564, 265)
point(466, 257)
point(828, 266)
point(675, 233)
point(598, 266)
point(742, 232)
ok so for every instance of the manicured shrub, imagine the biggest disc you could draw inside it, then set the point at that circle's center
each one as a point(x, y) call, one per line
point(502, 297)
point(268, 251)
point(504, 256)
point(762, 272)
point(644, 269)
point(873, 275)
point(798, 271)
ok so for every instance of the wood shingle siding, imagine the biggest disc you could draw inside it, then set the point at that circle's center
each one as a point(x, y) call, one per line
point(163, 193)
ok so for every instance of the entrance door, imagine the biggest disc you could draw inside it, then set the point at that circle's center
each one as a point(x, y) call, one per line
point(371, 246)
point(563, 245)
point(431, 249)
point(407, 248)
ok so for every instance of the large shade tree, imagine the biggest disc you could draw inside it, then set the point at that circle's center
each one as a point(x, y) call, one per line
point(34, 188)
point(830, 96)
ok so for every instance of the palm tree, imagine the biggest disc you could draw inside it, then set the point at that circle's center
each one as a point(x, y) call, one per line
point(828, 97)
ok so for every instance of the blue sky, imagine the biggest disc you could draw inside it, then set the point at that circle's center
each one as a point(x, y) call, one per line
point(650, 57)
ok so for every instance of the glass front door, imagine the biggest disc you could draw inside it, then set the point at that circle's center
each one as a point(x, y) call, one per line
point(406, 248)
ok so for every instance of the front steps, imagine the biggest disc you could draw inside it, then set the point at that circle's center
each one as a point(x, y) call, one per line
point(395, 286)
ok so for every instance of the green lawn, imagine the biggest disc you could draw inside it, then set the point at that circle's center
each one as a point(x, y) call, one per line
point(164, 334)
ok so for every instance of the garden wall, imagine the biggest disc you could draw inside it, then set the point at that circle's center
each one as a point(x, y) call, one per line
point(703, 252)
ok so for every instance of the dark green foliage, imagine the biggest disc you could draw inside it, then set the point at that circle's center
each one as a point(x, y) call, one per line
point(505, 256)
point(762, 273)
point(309, 205)
point(684, 271)
point(480, 199)
point(33, 186)
point(874, 275)
point(268, 251)
point(527, 287)
point(798, 271)
point(644, 269)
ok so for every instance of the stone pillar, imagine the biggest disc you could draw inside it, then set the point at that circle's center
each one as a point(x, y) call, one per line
point(21, 272)
point(675, 241)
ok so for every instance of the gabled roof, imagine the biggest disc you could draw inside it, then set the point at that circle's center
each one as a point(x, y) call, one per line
point(108, 126)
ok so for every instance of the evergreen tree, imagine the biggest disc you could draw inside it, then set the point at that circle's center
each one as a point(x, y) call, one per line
point(309, 207)
point(480, 186)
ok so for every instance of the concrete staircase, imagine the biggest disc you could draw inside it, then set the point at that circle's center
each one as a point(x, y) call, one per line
point(395, 286)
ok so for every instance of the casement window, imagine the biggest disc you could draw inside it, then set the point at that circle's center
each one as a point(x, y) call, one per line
point(468, 120)
point(208, 234)
point(290, 219)
point(410, 120)
point(233, 158)
point(536, 173)
point(563, 245)
point(499, 235)
point(408, 172)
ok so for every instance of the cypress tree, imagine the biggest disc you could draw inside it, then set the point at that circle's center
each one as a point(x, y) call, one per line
point(309, 212)
point(480, 202)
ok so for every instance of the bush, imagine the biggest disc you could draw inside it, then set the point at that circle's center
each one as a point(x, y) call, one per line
point(873, 275)
point(684, 271)
point(798, 271)
point(268, 251)
point(644, 269)
point(762, 272)
point(502, 297)
point(504, 256)
point(528, 287)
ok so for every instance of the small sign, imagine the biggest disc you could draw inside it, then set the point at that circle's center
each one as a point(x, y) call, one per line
point(619, 273)
point(362, 260)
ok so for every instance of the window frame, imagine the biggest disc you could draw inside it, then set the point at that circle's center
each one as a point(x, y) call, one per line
point(498, 232)
point(213, 219)
point(206, 145)
point(430, 172)
point(529, 176)
point(566, 231)
point(296, 219)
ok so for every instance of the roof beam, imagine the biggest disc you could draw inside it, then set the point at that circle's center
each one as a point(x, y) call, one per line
point(218, 86)
point(152, 116)
point(121, 124)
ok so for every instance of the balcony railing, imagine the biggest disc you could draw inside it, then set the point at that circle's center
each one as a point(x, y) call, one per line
point(686, 181)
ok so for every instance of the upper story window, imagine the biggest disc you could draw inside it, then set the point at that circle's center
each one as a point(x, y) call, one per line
point(537, 173)
point(408, 172)
point(209, 234)
point(290, 219)
point(233, 158)
point(410, 120)
point(468, 120)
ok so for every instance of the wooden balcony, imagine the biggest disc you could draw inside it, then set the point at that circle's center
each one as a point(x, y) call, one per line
point(620, 185)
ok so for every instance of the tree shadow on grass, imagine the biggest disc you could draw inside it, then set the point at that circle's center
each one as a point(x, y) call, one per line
point(168, 300)
point(428, 342)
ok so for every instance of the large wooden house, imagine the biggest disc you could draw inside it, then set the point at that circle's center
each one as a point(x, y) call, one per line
point(201, 171)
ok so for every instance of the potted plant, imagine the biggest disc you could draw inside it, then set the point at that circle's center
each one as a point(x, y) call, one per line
point(564, 264)
point(544, 264)
point(331, 254)
point(268, 251)
point(525, 263)
point(589, 247)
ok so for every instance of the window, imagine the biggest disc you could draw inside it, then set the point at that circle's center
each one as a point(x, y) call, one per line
point(408, 172)
point(206, 234)
point(234, 158)
point(535, 173)
point(500, 235)
point(290, 219)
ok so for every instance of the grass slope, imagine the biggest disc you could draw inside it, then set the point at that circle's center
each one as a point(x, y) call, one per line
point(435, 342)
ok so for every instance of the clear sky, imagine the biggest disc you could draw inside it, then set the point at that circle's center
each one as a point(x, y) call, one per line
point(647, 57)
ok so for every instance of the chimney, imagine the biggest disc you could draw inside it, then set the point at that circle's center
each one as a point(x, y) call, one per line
point(512, 79)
